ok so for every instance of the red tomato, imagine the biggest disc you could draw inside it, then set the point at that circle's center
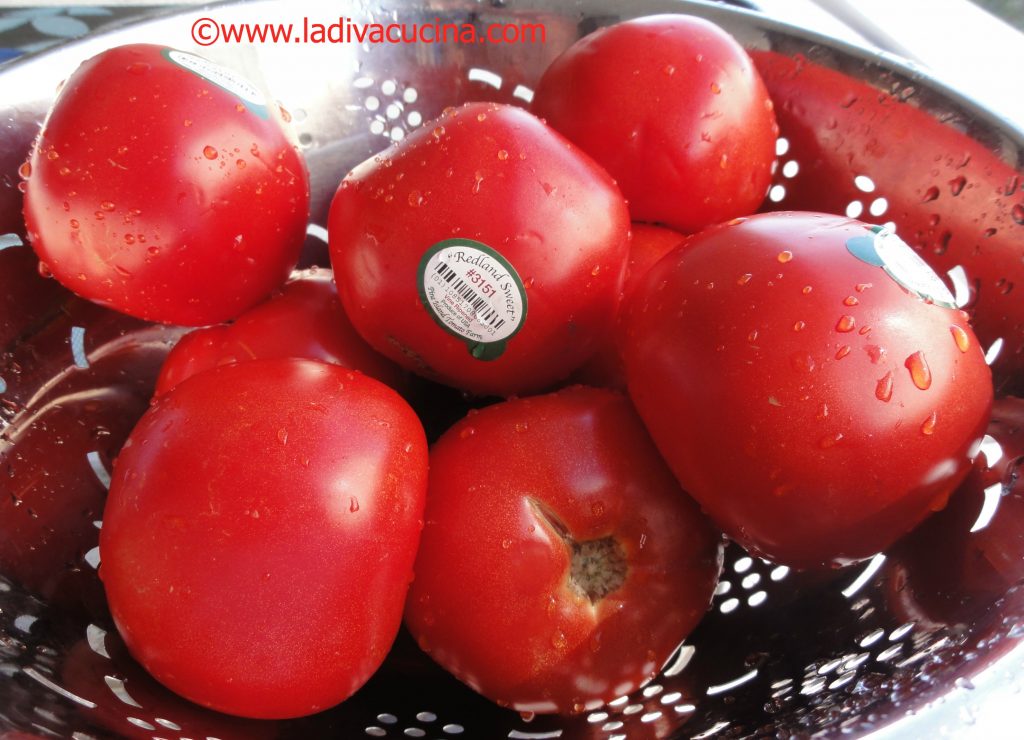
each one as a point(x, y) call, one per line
point(484, 251)
point(260, 533)
point(303, 319)
point(162, 185)
point(674, 109)
point(648, 245)
point(801, 378)
point(560, 563)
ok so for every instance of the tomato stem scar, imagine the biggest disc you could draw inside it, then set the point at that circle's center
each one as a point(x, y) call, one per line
point(597, 567)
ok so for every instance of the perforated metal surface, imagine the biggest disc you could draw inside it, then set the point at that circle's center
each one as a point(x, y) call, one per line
point(779, 652)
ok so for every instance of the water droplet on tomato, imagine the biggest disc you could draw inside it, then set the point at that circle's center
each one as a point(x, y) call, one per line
point(153, 251)
point(138, 68)
point(752, 336)
point(963, 341)
point(75, 223)
point(467, 432)
point(209, 152)
point(1017, 213)
point(723, 162)
point(596, 270)
point(807, 289)
point(64, 171)
point(845, 324)
point(408, 447)
point(559, 640)
point(240, 164)
point(477, 179)
point(799, 326)
point(52, 155)
point(930, 194)
point(129, 238)
point(282, 436)
point(920, 373)
point(784, 256)
point(481, 117)
point(850, 301)
point(842, 351)
point(597, 508)
point(416, 198)
point(25, 171)
point(830, 440)
point(669, 69)
point(744, 279)
point(928, 426)
point(956, 185)
point(506, 544)
point(502, 154)
point(285, 115)
point(353, 504)
point(82, 276)
point(122, 271)
point(716, 88)
point(802, 363)
point(883, 388)
point(522, 426)
point(822, 412)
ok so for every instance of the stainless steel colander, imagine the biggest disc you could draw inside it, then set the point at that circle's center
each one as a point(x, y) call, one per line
point(905, 644)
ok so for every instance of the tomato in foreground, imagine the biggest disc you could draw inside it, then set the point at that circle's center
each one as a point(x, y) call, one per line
point(809, 381)
point(484, 251)
point(303, 319)
point(259, 536)
point(560, 563)
point(674, 109)
point(164, 186)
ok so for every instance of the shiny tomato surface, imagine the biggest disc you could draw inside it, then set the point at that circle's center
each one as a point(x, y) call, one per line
point(809, 381)
point(648, 244)
point(303, 319)
point(163, 186)
point(560, 564)
point(260, 532)
point(674, 109)
point(484, 251)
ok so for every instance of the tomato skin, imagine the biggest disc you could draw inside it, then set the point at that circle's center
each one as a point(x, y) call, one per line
point(303, 319)
point(776, 372)
point(284, 553)
point(492, 600)
point(674, 109)
point(494, 174)
point(648, 244)
point(163, 195)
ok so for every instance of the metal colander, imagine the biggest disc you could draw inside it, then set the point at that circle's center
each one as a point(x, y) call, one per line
point(902, 644)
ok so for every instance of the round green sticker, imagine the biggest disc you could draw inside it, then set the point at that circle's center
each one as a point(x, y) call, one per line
point(473, 293)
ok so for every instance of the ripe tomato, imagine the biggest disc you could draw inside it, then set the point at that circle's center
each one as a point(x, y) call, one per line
point(648, 245)
point(809, 382)
point(560, 563)
point(303, 319)
point(260, 533)
point(674, 109)
point(162, 185)
point(484, 251)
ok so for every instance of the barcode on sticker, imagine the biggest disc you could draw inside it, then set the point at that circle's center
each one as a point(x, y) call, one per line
point(490, 317)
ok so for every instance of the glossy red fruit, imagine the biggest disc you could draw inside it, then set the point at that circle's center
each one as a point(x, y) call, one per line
point(484, 251)
point(259, 536)
point(303, 319)
point(560, 564)
point(674, 109)
point(163, 185)
point(809, 381)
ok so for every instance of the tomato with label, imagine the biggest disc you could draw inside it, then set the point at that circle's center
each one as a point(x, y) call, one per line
point(560, 563)
point(303, 319)
point(674, 109)
point(809, 381)
point(483, 251)
point(260, 531)
point(164, 186)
